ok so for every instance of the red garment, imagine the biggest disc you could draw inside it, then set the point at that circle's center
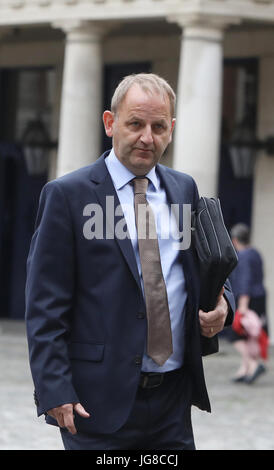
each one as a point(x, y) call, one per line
point(264, 342)
point(262, 338)
point(237, 326)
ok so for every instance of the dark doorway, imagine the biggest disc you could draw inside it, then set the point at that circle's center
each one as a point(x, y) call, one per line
point(25, 96)
point(240, 87)
point(113, 74)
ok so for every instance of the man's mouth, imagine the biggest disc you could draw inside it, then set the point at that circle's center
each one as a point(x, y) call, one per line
point(143, 150)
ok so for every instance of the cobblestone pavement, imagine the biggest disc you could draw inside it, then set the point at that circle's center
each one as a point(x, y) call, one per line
point(242, 415)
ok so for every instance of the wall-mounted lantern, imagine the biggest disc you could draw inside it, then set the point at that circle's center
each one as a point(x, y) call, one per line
point(36, 145)
point(243, 147)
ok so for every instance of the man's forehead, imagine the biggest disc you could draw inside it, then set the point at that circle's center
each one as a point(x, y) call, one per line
point(137, 98)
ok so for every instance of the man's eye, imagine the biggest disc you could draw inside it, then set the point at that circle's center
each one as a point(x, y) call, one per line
point(159, 127)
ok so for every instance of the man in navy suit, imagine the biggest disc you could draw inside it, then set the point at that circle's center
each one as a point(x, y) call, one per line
point(86, 311)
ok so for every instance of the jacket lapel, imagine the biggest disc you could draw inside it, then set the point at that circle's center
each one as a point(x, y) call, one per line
point(179, 194)
point(175, 193)
point(104, 188)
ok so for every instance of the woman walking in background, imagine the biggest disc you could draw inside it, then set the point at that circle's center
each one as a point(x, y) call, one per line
point(249, 333)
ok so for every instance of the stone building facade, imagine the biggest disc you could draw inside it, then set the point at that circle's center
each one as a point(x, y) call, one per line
point(217, 54)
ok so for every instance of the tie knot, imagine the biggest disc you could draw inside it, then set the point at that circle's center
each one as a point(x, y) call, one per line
point(140, 185)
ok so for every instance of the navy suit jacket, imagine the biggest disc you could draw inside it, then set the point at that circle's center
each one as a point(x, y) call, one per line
point(85, 312)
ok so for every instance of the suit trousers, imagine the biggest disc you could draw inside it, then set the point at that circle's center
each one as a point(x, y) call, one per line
point(160, 419)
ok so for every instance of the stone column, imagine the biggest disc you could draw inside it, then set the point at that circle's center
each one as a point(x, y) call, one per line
point(81, 102)
point(199, 101)
point(263, 196)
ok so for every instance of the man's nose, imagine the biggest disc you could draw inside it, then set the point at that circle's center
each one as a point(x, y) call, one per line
point(147, 137)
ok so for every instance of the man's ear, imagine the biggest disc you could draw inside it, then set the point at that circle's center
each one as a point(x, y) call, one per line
point(172, 129)
point(108, 119)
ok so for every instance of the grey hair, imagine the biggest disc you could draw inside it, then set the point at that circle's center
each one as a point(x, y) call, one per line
point(150, 83)
point(241, 232)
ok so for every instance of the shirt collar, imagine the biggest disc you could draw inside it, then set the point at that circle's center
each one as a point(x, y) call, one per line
point(121, 175)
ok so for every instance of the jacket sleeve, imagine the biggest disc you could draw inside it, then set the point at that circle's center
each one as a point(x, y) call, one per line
point(49, 300)
point(229, 296)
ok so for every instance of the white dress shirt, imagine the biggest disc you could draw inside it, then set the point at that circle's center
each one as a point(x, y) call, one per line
point(171, 265)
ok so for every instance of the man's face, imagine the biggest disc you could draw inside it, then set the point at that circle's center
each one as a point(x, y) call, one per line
point(141, 129)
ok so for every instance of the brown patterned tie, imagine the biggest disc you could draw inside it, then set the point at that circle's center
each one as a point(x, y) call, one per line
point(159, 341)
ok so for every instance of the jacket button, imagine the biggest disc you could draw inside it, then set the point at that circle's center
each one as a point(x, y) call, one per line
point(138, 360)
point(140, 315)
